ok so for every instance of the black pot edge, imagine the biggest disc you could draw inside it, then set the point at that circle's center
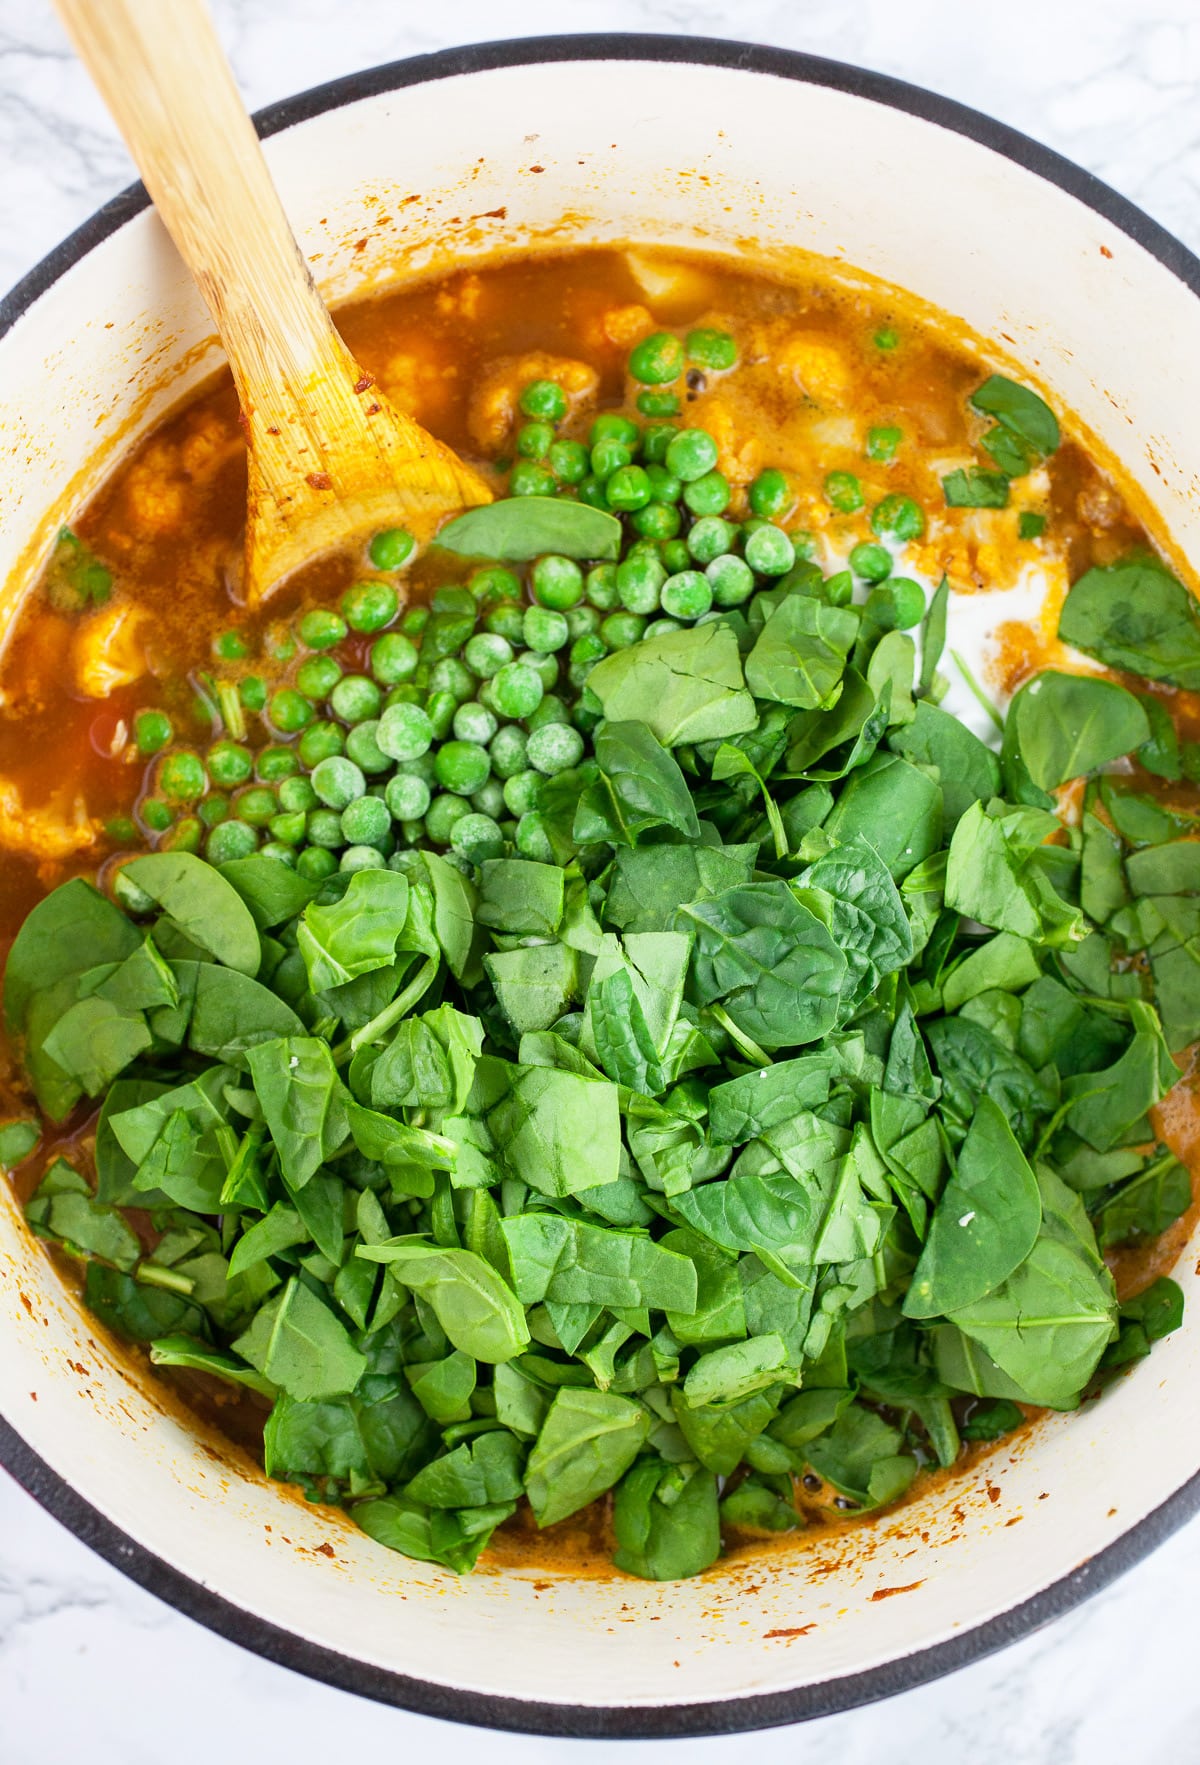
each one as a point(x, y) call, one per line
point(581, 1721)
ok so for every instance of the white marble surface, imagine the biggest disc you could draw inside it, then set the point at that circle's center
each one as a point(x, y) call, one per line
point(90, 1666)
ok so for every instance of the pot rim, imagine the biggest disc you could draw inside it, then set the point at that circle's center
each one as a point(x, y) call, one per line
point(426, 1697)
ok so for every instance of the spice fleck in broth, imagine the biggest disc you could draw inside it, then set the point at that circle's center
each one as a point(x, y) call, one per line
point(596, 1037)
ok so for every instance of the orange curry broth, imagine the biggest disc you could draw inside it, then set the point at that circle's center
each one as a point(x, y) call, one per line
point(455, 352)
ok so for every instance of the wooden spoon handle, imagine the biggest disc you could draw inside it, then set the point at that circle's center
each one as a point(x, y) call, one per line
point(164, 76)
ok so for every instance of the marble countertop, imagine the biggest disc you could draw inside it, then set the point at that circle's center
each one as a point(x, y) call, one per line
point(92, 1666)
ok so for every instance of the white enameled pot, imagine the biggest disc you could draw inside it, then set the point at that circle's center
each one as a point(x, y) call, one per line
point(683, 142)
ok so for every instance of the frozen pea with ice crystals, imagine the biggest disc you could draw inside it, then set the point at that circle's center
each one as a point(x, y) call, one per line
point(404, 732)
point(555, 747)
point(407, 797)
point(338, 782)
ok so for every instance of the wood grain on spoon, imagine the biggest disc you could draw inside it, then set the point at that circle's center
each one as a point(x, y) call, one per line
point(330, 460)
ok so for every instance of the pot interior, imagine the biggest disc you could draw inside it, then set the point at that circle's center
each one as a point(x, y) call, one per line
point(461, 166)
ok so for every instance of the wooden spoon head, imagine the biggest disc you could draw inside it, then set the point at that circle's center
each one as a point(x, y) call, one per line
point(349, 465)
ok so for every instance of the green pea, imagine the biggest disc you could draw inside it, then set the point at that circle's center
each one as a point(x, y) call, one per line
point(659, 404)
point(771, 495)
point(691, 454)
point(486, 654)
point(392, 548)
point(551, 710)
point(317, 677)
point(656, 628)
point(187, 835)
point(442, 814)
point(839, 589)
point(544, 399)
point(527, 478)
point(230, 840)
point(290, 711)
point(156, 814)
point(731, 580)
point(887, 338)
point(275, 763)
point(896, 605)
point(489, 798)
point(883, 442)
point(532, 839)
point(280, 851)
point(279, 644)
point(871, 562)
point(898, 516)
point(657, 359)
point(591, 491)
point(494, 583)
point(369, 606)
point(521, 791)
point(657, 521)
point(363, 748)
point(338, 781)
point(314, 864)
point(709, 538)
point(544, 629)
point(675, 556)
point(288, 829)
point(319, 742)
point(404, 732)
point(640, 578)
point(609, 457)
point(229, 764)
point(393, 658)
point(568, 460)
point(473, 722)
point(121, 829)
point(507, 750)
point(505, 619)
point(708, 495)
point(686, 595)
point(534, 440)
point(462, 767)
point(579, 620)
point(629, 488)
point(324, 828)
point(476, 838)
point(355, 699)
point(252, 690)
point(843, 492)
point(414, 621)
point(322, 629)
point(656, 439)
point(555, 747)
point(297, 795)
point(182, 778)
point(518, 690)
point(152, 732)
point(366, 822)
point(362, 858)
point(601, 586)
point(213, 808)
point(612, 426)
point(617, 632)
point(714, 350)
point(440, 709)
point(230, 646)
point(256, 805)
point(770, 551)
point(407, 798)
point(556, 582)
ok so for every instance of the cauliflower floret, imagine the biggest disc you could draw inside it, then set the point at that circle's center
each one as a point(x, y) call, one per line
point(493, 408)
point(107, 650)
point(417, 383)
point(627, 325)
point(817, 364)
point(207, 447)
point(461, 296)
point(739, 456)
point(154, 496)
point(49, 833)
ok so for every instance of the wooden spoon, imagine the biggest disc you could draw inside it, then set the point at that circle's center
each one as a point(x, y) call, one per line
point(330, 460)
